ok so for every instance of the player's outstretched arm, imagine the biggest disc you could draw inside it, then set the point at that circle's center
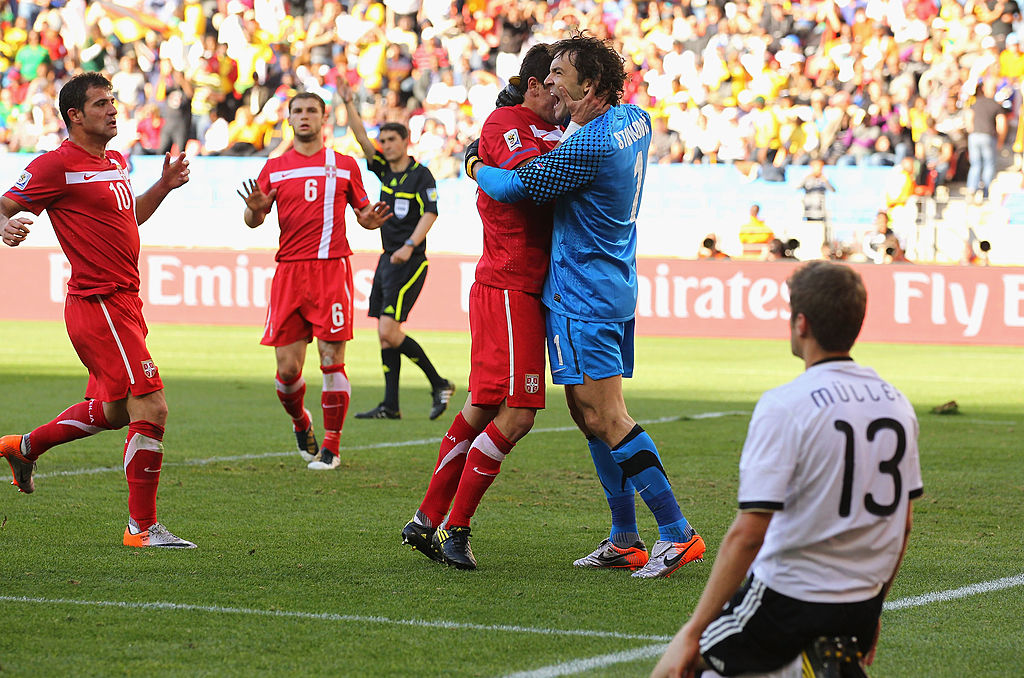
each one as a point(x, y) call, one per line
point(173, 175)
point(373, 216)
point(355, 122)
point(13, 230)
point(257, 203)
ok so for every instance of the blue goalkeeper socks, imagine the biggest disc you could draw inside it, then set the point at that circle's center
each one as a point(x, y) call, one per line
point(619, 493)
point(639, 462)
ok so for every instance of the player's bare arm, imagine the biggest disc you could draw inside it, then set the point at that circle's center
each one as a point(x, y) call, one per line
point(13, 229)
point(355, 122)
point(739, 547)
point(257, 203)
point(173, 175)
point(402, 254)
point(373, 216)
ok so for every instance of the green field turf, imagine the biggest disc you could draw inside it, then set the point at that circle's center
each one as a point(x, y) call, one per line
point(302, 573)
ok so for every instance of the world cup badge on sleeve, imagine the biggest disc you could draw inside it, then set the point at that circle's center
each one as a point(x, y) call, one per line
point(149, 369)
point(532, 383)
point(512, 139)
point(23, 180)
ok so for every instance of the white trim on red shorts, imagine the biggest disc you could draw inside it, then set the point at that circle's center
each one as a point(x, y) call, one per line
point(117, 340)
point(511, 347)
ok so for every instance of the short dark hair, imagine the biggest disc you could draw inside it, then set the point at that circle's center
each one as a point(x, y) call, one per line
point(536, 64)
point(594, 60)
point(308, 95)
point(73, 93)
point(833, 299)
point(396, 127)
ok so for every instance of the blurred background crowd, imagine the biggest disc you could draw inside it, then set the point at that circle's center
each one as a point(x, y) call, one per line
point(763, 84)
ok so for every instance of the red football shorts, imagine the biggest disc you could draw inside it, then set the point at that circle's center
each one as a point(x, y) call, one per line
point(109, 335)
point(507, 362)
point(310, 298)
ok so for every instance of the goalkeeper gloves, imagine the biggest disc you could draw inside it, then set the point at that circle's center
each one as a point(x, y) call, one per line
point(472, 158)
point(510, 96)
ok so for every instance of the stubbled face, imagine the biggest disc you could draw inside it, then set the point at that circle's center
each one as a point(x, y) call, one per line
point(99, 113)
point(306, 118)
point(392, 146)
point(563, 74)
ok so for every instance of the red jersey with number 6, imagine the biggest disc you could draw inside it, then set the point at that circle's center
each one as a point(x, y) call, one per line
point(90, 203)
point(517, 236)
point(312, 192)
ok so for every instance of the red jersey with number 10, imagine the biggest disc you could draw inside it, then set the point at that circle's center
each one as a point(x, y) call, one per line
point(90, 203)
point(312, 192)
point(517, 236)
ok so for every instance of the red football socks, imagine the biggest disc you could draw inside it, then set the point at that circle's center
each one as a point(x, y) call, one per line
point(143, 457)
point(451, 458)
point(334, 398)
point(483, 463)
point(78, 421)
point(291, 394)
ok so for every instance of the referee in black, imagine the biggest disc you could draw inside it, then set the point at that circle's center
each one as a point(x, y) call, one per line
point(409, 190)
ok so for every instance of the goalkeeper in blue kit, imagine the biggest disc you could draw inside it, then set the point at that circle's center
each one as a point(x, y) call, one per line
point(595, 178)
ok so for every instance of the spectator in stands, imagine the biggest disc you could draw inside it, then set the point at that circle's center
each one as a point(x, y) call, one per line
point(129, 84)
point(174, 96)
point(934, 153)
point(30, 56)
point(666, 146)
point(882, 245)
point(755, 235)
point(782, 251)
point(709, 249)
point(986, 127)
point(815, 186)
point(150, 129)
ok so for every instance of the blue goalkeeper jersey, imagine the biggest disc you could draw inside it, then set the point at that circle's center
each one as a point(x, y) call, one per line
point(596, 179)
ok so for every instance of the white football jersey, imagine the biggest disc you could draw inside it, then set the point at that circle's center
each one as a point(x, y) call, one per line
point(834, 454)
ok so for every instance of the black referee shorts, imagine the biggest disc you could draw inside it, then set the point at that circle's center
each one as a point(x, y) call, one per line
point(397, 286)
point(761, 630)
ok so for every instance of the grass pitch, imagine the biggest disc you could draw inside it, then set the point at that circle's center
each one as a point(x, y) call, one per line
point(301, 573)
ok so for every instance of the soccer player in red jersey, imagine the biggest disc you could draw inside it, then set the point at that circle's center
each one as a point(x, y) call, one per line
point(312, 290)
point(506, 318)
point(87, 193)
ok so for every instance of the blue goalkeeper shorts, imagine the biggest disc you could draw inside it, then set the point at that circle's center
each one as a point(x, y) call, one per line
point(596, 349)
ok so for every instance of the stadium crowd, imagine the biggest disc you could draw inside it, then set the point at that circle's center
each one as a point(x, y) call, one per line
point(746, 81)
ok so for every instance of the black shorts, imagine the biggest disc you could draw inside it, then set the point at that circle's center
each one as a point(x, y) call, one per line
point(396, 286)
point(761, 630)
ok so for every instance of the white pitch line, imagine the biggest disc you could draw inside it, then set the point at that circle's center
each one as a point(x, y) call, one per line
point(576, 666)
point(373, 446)
point(953, 594)
point(330, 616)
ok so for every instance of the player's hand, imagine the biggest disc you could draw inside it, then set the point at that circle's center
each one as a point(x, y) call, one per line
point(373, 216)
point(174, 174)
point(585, 109)
point(254, 197)
point(510, 96)
point(472, 158)
point(344, 89)
point(682, 656)
point(15, 231)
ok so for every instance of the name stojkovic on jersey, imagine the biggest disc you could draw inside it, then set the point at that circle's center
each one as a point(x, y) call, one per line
point(834, 454)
